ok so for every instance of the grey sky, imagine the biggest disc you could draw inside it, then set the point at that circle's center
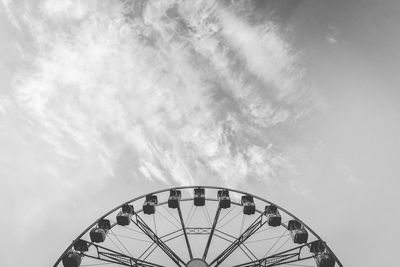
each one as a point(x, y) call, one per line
point(295, 101)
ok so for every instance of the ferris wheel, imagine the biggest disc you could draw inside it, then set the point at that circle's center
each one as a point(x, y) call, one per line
point(198, 226)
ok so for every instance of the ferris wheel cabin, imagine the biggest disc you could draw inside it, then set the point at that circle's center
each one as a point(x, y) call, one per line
point(125, 215)
point(174, 197)
point(150, 203)
point(99, 233)
point(224, 199)
point(273, 216)
point(298, 232)
point(72, 259)
point(81, 245)
point(199, 197)
point(249, 207)
point(323, 258)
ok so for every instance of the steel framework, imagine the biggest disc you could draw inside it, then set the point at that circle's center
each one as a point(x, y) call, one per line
point(179, 234)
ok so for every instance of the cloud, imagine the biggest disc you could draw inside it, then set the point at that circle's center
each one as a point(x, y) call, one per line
point(9, 11)
point(166, 91)
point(195, 92)
point(264, 52)
point(333, 36)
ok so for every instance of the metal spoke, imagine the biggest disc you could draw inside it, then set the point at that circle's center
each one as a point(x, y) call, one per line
point(112, 241)
point(230, 241)
point(208, 214)
point(151, 251)
point(170, 213)
point(152, 243)
point(157, 240)
point(133, 238)
point(226, 214)
point(147, 249)
point(231, 219)
point(257, 224)
point(112, 256)
point(276, 242)
point(284, 243)
point(284, 257)
point(133, 230)
point(122, 244)
point(264, 239)
point(188, 216)
point(168, 220)
point(212, 232)
point(184, 231)
point(192, 216)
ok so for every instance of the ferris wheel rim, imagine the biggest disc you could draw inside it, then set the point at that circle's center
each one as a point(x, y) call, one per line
point(208, 199)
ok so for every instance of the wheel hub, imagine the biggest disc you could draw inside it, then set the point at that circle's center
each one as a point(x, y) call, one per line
point(197, 263)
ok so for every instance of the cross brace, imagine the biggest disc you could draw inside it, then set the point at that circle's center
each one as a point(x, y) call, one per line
point(109, 255)
point(257, 224)
point(157, 240)
point(284, 257)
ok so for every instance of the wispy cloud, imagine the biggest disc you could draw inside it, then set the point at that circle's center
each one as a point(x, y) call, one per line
point(195, 93)
point(173, 92)
point(170, 91)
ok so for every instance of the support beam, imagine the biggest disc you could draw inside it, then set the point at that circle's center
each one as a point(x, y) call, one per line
point(112, 256)
point(284, 257)
point(257, 224)
point(184, 230)
point(157, 240)
point(198, 230)
point(150, 248)
point(212, 232)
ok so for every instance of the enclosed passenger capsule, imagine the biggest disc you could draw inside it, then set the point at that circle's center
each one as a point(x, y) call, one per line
point(72, 259)
point(224, 199)
point(317, 246)
point(273, 216)
point(174, 197)
point(125, 215)
point(297, 231)
point(99, 233)
point(249, 207)
point(325, 259)
point(199, 197)
point(81, 245)
point(149, 205)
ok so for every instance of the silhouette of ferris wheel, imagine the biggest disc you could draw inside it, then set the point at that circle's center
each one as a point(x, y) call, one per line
point(198, 226)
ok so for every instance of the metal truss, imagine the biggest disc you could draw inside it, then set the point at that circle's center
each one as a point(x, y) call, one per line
point(184, 231)
point(111, 256)
point(212, 232)
point(257, 224)
point(284, 257)
point(157, 240)
point(285, 254)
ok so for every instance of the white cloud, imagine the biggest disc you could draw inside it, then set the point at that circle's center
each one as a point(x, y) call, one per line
point(265, 53)
point(333, 36)
point(157, 81)
point(172, 83)
point(68, 9)
point(8, 9)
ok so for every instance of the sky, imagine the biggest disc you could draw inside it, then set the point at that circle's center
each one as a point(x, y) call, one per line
point(295, 101)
